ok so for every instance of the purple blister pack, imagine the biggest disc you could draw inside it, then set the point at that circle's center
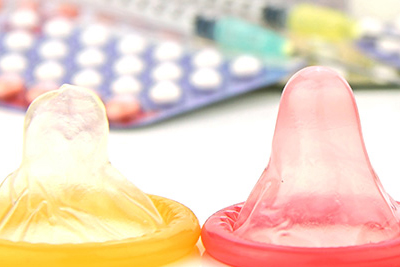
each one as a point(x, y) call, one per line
point(142, 78)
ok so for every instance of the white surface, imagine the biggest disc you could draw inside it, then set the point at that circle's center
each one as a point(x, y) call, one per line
point(212, 158)
point(386, 10)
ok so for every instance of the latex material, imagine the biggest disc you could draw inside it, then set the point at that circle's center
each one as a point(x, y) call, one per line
point(318, 202)
point(66, 202)
point(238, 35)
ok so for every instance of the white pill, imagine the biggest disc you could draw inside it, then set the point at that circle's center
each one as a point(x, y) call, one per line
point(165, 92)
point(126, 85)
point(245, 66)
point(49, 71)
point(91, 57)
point(207, 58)
point(13, 62)
point(168, 51)
point(53, 49)
point(87, 78)
point(389, 45)
point(131, 44)
point(385, 73)
point(95, 35)
point(166, 71)
point(58, 27)
point(370, 27)
point(129, 65)
point(24, 18)
point(206, 79)
point(18, 40)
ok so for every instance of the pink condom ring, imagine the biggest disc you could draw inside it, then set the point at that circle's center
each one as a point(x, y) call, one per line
point(318, 202)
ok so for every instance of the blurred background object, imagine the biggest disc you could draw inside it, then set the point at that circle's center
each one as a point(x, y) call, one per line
point(150, 60)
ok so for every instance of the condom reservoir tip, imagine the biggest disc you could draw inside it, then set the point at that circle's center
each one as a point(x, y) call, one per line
point(318, 202)
point(68, 206)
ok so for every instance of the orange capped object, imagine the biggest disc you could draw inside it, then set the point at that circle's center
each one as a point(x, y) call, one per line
point(66, 205)
point(318, 202)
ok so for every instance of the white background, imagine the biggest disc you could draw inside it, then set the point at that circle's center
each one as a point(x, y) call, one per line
point(212, 158)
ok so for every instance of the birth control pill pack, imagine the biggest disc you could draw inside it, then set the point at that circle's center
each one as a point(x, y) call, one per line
point(142, 74)
point(385, 49)
point(381, 41)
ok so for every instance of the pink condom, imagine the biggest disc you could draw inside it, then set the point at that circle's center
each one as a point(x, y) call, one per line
point(318, 202)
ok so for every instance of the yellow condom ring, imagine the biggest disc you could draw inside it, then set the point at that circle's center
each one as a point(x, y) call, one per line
point(167, 244)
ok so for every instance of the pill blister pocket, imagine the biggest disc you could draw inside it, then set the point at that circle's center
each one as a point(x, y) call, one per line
point(142, 78)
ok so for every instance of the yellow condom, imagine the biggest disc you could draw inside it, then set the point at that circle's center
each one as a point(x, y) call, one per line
point(66, 205)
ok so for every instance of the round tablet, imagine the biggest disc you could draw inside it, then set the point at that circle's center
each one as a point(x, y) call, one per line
point(165, 92)
point(24, 18)
point(207, 58)
point(13, 62)
point(95, 35)
point(88, 78)
point(18, 40)
point(126, 85)
point(58, 27)
point(53, 49)
point(168, 51)
point(91, 57)
point(129, 65)
point(388, 45)
point(166, 71)
point(11, 85)
point(69, 10)
point(245, 66)
point(49, 71)
point(131, 44)
point(123, 108)
point(206, 79)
